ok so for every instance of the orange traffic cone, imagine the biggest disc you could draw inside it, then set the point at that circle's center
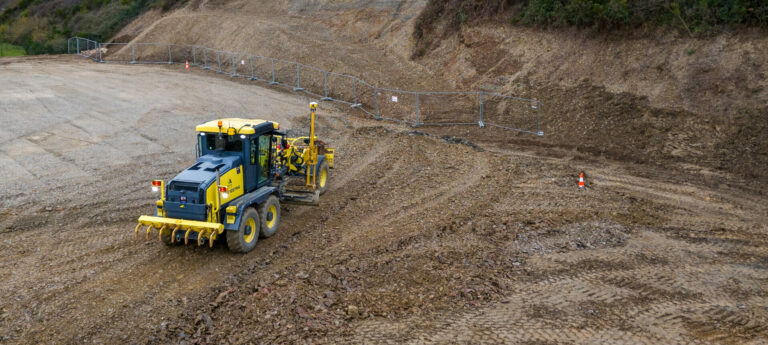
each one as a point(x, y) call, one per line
point(581, 180)
point(186, 65)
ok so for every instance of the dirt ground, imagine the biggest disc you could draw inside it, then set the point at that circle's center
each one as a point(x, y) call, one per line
point(423, 237)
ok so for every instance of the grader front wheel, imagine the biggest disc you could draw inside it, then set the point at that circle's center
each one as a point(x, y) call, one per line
point(244, 239)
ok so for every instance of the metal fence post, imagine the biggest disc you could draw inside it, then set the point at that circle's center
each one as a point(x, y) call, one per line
point(194, 55)
point(480, 122)
point(77, 40)
point(250, 61)
point(354, 88)
point(325, 86)
point(234, 66)
point(539, 132)
point(205, 58)
point(376, 102)
point(418, 111)
point(170, 58)
point(273, 82)
point(298, 78)
point(100, 59)
point(218, 58)
point(133, 53)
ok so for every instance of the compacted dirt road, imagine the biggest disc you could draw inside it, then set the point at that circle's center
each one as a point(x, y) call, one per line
point(421, 238)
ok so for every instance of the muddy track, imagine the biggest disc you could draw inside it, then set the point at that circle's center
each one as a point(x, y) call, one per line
point(418, 240)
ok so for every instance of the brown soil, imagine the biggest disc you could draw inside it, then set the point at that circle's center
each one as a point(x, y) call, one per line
point(658, 98)
point(420, 238)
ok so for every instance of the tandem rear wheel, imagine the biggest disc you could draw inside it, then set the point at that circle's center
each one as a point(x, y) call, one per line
point(269, 213)
point(322, 177)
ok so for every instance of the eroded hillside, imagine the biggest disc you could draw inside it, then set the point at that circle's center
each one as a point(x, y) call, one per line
point(659, 98)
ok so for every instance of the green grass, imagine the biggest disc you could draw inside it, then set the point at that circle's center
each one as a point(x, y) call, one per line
point(11, 50)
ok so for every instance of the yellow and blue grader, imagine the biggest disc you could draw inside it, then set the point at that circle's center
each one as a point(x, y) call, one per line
point(245, 169)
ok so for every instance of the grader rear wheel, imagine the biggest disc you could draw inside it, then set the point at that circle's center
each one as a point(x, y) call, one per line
point(322, 177)
point(269, 213)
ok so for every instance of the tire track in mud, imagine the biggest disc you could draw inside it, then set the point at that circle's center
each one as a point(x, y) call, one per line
point(635, 293)
point(630, 301)
point(391, 164)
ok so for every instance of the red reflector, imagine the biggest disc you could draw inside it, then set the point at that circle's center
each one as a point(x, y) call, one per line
point(222, 189)
point(156, 183)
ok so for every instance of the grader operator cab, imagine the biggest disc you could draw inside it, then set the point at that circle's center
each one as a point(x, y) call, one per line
point(244, 170)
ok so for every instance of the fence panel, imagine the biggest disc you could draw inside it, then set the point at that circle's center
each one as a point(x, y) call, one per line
point(311, 80)
point(262, 68)
point(449, 108)
point(397, 105)
point(511, 113)
point(86, 48)
point(240, 65)
point(116, 52)
point(180, 54)
point(341, 88)
point(285, 73)
point(151, 53)
point(207, 55)
point(197, 57)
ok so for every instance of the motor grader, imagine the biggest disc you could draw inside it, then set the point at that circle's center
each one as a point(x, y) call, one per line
point(245, 169)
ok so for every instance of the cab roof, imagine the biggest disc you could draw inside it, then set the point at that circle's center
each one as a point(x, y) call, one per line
point(240, 126)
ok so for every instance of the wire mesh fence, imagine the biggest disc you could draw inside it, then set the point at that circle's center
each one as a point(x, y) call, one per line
point(481, 109)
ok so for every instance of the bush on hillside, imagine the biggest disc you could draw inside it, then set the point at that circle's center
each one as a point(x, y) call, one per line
point(692, 15)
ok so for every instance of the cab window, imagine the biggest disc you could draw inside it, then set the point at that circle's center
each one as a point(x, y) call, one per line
point(225, 142)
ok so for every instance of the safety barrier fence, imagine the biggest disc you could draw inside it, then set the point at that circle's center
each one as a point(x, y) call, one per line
point(417, 108)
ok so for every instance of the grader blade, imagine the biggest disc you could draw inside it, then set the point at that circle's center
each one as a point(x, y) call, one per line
point(296, 197)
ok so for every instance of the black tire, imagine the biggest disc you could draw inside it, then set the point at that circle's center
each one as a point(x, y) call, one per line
point(269, 213)
point(244, 239)
point(322, 177)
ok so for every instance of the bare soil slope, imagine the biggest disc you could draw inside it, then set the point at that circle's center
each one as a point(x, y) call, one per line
point(419, 239)
point(658, 98)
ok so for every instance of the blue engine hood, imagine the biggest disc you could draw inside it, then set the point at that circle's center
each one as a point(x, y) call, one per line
point(185, 196)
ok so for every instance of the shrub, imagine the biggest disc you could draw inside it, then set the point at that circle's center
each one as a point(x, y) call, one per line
point(694, 15)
